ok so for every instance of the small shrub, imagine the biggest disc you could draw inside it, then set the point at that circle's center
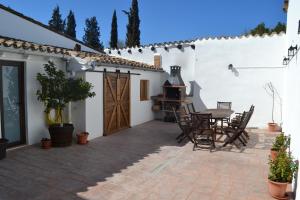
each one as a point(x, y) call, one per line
point(283, 168)
point(281, 142)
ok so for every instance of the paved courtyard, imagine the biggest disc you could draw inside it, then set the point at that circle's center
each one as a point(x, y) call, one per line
point(143, 162)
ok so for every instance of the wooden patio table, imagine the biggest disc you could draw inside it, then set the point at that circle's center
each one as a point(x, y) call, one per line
point(218, 115)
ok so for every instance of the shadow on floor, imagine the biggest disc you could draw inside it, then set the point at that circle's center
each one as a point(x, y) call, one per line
point(62, 173)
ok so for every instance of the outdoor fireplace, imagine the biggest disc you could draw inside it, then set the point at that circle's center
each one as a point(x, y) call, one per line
point(174, 94)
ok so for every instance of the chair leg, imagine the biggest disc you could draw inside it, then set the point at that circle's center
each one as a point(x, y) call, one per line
point(232, 138)
point(243, 138)
point(246, 134)
point(179, 136)
point(244, 144)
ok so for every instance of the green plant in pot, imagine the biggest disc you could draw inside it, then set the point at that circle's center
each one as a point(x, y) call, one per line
point(56, 92)
point(281, 142)
point(282, 171)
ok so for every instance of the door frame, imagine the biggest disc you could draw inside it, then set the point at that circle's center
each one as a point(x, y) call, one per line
point(104, 99)
point(20, 65)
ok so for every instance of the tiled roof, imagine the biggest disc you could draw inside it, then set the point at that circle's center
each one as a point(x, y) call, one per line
point(100, 58)
point(14, 12)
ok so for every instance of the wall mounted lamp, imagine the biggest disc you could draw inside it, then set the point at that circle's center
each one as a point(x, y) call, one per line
point(292, 51)
point(285, 61)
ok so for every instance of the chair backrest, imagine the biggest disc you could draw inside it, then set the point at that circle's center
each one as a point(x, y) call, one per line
point(190, 107)
point(181, 121)
point(202, 120)
point(246, 118)
point(224, 105)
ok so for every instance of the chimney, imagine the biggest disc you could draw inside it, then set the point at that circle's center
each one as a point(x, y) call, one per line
point(77, 47)
point(175, 76)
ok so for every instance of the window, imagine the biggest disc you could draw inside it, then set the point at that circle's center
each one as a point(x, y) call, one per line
point(144, 90)
point(157, 61)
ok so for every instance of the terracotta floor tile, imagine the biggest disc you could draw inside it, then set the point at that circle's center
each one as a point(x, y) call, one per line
point(141, 163)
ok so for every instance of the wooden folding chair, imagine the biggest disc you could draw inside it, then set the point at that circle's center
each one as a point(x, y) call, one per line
point(235, 133)
point(203, 131)
point(185, 125)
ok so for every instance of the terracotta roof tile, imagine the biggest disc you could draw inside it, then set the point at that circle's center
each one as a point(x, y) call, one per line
point(98, 57)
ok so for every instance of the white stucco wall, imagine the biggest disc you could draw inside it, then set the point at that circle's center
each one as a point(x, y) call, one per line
point(35, 126)
point(19, 28)
point(88, 115)
point(292, 83)
point(207, 67)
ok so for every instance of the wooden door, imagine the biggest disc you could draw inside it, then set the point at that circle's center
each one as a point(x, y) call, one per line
point(116, 102)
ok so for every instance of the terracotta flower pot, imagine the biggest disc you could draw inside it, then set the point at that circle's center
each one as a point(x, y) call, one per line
point(272, 127)
point(273, 154)
point(82, 138)
point(277, 190)
point(46, 143)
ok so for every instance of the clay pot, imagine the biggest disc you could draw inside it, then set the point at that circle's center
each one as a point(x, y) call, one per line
point(273, 154)
point(46, 143)
point(277, 190)
point(82, 138)
point(272, 127)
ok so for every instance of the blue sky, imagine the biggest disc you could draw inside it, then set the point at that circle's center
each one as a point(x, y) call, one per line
point(163, 20)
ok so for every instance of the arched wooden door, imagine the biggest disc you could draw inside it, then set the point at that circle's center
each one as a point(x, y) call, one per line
point(116, 96)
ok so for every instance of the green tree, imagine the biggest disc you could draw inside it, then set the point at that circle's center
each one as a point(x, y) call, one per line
point(71, 25)
point(260, 29)
point(56, 22)
point(133, 27)
point(92, 33)
point(280, 27)
point(114, 31)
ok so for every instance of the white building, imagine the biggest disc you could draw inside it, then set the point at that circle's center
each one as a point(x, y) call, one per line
point(233, 69)
point(22, 56)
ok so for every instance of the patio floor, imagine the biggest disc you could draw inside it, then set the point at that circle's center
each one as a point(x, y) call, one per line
point(143, 162)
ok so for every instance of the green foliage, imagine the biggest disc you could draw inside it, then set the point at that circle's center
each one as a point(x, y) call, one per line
point(133, 27)
point(283, 168)
point(56, 22)
point(281, 142)
point(92, 33)
point(261, 29)
point(57, 90)
point(71, 25)
point(114, 32)
point(280, 27)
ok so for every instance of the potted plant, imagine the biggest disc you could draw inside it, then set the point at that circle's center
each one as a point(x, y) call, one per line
point(271, 90)
point(3, 146)
point(56, 92)
point(46, 143)
point(281, 142)
point(281, 173)
point(82, 138)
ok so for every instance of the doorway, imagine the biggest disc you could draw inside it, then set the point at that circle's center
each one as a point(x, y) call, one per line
point(12, 102)
point(116, 102)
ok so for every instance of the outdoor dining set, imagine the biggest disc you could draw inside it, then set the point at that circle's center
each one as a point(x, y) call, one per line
point(207, 127)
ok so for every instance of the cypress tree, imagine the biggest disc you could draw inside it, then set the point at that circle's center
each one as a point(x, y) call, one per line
point(71, 25)
point(114, 32)
point(56, 21)
point(92, 33)
point(133, 27)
